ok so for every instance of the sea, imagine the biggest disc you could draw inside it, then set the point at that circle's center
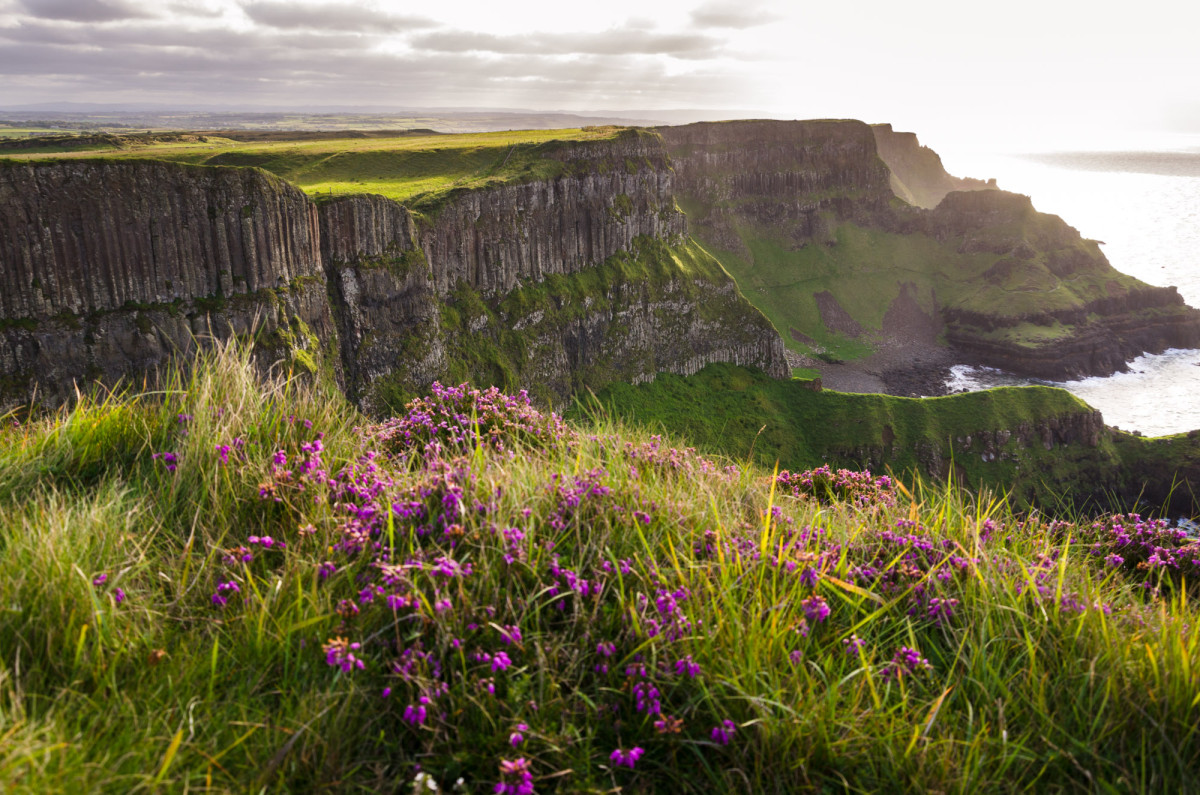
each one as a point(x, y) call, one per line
point(1141, 198)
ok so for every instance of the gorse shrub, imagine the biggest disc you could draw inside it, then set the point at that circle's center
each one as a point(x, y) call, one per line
point(264, 589)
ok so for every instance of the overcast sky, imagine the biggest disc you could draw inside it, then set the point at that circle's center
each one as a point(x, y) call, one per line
point(1007, 66)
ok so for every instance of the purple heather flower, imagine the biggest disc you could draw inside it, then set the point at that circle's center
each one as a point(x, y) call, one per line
point(647, 698)
point(606, 649)
point(628, 758)
point(99, 580)
point(853, 645)
point(511, 634)
point(722, 734)
point(169, 459)
point(516, 738)
point(501, 661)
point(515, 778)
point(816, 609)
point(415, 714)
point(119, 595)
point(687, 666)
point(339, 653)
point(905, 661)
point(387, 691)
point(224, 590)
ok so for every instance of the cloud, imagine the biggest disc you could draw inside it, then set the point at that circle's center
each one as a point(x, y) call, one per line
point(331, 16)
point(250, 67)
point(617, 41)
point(84, 10)
point(724, 14)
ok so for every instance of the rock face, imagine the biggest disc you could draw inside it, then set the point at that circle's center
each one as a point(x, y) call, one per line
point(802, 177)
point(1014, 288)
point(1129, 319)
point(611, 193)
point(79, 237)
point(917, 173)
point(108, 268)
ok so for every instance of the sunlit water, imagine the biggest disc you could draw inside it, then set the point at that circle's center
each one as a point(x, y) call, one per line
point(1150, 227)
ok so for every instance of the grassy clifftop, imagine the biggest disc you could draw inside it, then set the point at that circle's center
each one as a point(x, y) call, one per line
point(232, 585)
point(414, 169)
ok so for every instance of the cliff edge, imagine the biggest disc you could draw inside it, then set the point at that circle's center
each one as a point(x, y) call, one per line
point(555, 283)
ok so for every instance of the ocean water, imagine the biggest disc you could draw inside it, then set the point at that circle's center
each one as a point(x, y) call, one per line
point(1142, 200)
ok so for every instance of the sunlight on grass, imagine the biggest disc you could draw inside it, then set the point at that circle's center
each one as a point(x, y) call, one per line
point(233, 585)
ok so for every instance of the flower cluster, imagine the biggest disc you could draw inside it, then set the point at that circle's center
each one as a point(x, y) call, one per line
point(828, 486)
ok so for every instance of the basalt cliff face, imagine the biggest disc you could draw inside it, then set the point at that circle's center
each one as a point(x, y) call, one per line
point(820, 224)
point(559, 283)
point(108, 268)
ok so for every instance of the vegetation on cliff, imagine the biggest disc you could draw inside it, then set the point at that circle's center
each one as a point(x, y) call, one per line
point(418, 170)
point(1040, 446)
point(232, 585)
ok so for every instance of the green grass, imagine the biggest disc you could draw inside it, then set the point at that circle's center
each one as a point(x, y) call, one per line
point(1031, 684)
point(415, 169)
point(737, 412)
point(863, 268)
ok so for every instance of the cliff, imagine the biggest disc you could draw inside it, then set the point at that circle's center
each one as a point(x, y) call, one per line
point(917, 173)
point(83, 236)
point(802, 178)
point(108, 268)
point(806, 217)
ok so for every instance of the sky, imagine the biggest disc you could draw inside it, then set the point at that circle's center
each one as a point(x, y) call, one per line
point(1015, 68)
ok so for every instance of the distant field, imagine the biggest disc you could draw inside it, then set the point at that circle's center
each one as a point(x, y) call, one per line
point(21, 132)
point(416, 169)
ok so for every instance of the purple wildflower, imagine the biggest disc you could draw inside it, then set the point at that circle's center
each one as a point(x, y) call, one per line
point(722, 734)
point(628, 758)
point(515, 778)
point(220, 597)
point(816, 609)
point(687, 666)
point(339, 653)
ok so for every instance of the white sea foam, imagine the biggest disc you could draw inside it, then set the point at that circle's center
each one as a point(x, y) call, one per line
point(1150, 225)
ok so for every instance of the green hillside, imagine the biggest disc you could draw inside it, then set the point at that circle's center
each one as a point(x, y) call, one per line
point(741, 413)
point(230, 585)
point(415, 169)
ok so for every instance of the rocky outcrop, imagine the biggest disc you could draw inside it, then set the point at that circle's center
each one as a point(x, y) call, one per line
point(917, 173)
point(802, 178)
point(610, 193)
point(110, 268)
point(85, 236)
point(1015, 288)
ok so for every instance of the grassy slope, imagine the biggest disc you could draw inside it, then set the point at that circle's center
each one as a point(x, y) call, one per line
point(1047, 669)
point(737, 412)
point(413, 169)
point(863, 270)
